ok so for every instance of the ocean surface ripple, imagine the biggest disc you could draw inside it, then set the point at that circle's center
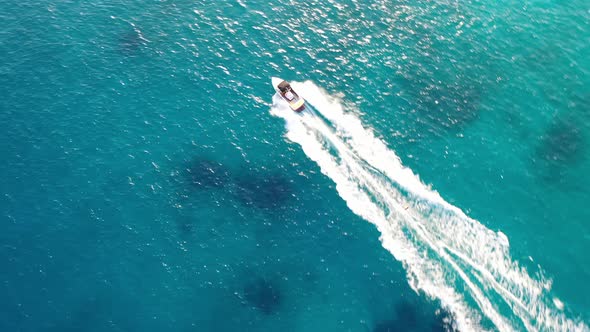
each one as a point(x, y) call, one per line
point(439, 181)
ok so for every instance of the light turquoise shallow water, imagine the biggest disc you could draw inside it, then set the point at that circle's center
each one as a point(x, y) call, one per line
point(147, 186)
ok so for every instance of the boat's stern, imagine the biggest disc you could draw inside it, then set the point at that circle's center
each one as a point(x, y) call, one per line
point(298, 105)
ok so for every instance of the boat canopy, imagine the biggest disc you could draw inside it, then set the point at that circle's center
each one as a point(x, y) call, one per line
point(284, 86)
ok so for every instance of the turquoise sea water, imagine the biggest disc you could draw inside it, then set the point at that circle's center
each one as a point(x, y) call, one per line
point(438, 181)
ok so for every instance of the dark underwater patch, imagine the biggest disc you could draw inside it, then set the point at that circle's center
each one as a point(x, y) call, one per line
point(264, 295)
point(560, 148)
point(205, 174)
point(387, 326)
point(444, 100)
point(562, 143)
point(406, 312)
point(406, 319)
point(185, 225)
point(263, 190)
point(409, 317)
point(448, 106)
point(130, 42)
point(92, 314)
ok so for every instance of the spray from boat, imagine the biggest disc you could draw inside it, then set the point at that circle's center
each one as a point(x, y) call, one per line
point(446, 254)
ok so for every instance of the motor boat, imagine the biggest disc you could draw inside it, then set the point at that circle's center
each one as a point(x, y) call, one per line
point(286, 92)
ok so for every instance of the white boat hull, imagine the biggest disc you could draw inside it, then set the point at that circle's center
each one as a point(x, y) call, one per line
point(284, 89)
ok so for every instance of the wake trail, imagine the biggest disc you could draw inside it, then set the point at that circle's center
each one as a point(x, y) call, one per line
point(446, 254)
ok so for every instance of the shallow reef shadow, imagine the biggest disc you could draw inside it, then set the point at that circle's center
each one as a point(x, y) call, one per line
point(406, 312)
point(408, 317)
point(562, 143)
point(185, 224)
point(560, 148)
point(202, 173)
point(264, 191)
point(387, 326)
point(263, 294)
point(91, 314)
point(198, 181)
point(442, 104)
point(130, 42)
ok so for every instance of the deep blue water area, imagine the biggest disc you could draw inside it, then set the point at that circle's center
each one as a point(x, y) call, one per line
point(146, 186)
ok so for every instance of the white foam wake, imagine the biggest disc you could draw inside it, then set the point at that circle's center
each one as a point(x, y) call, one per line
point(446, 254)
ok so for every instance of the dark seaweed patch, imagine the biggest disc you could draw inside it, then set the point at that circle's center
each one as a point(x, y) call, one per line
point(186, 226)
point(406, 313)
point(93, 314)
point(205, 173)
point(441, 103)
point(130, 42)
point(409, 318)
point(387, 326)
point(448, 106)
point(406, 319)
point(263, 191)
point(264, 295)
point(561, 147)
point(562, 143)
point(184, 218)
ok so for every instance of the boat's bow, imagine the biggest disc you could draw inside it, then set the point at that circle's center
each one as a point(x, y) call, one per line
point(276, 81)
